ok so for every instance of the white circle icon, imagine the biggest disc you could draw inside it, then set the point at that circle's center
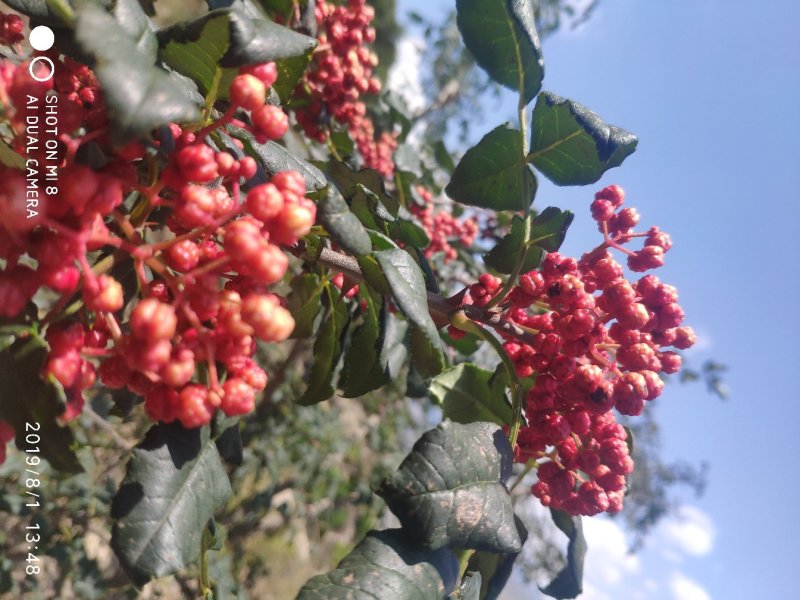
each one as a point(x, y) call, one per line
point(42, 38)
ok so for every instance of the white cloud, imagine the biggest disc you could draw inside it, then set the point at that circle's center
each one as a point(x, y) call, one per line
point(684, 588)
point(691, 532)
point(404, 77)
point(608, 559)
point(657, 572)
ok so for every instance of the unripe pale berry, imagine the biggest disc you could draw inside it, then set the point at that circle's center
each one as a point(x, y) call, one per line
point(108, 296)
point(152, 320)
point(248, 92)
point(265, 202)
point(270, 321)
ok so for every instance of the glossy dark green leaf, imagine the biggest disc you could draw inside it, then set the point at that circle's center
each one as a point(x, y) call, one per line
point(273, 158)
point(467, 395)
point(327, 353)
point(443, 157)
point(410, 233)
point(304, 303)
point(431, 283)
point(503, 256)
point(450, 490)
point(386, 566)
point(410, 294)
point(140, 96)
point(427, 356)
point(227, 38)
point(175, 481)
point(362, 371)
point(495, 569)
point(348, 180)
point(228, 437)
point(569, 581)
point(501, 35)
point(470, 588)
point(290, 71)
point(550, 228)
point(571, 145)
point(334, 214)
point(133, 20)
point(27, 398)
point(493, 174)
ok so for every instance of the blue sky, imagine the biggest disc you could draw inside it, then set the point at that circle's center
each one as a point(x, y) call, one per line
point(712, 89)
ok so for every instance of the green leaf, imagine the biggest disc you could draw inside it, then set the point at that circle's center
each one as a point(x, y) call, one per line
point(27, 398)
point(495, 569)
point(363, 370)
point(571, 145)
point(175, 481)
point(569, 581)
point(348, 180)
point(227, 38)
point(406, 229)
point(467, 395)
point(547, 234)
point(492, 173)
point(427, 355)
point(343, 225)
point(140, 96)
point(386, 565)
point(304, 303)
point(408, 289)
point(343, 142)
point(273, 158)
point(503, 256)
point(470, 588)
point(550, 228)
point(327, 352)
point(137, 26)
point(501, 35)
point(9, 157)
point(466, 345)
point(228, 437)
point(290, 71)
point(443, 158)
point(450, 490)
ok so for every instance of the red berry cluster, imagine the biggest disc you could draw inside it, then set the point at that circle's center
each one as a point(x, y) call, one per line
point(7, 435)
point(339, 74)
point(203, 287)
point(595, 342)
point(11, 27)
point(442, 227)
